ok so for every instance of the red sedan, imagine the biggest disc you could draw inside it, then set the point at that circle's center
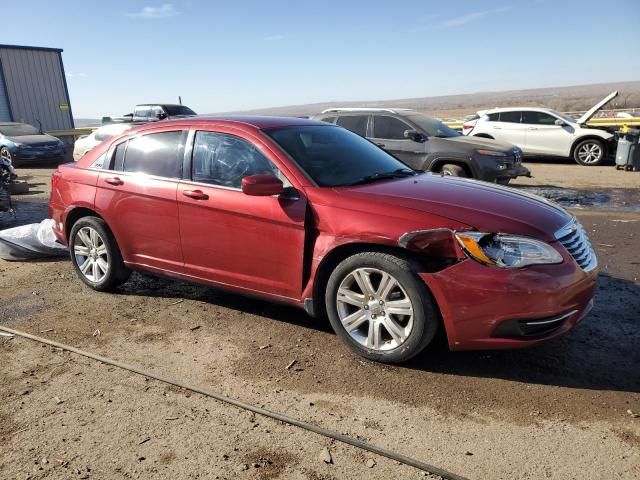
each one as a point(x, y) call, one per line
point(311, 214)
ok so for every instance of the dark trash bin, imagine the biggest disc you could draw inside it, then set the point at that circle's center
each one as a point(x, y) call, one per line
point(628, 150)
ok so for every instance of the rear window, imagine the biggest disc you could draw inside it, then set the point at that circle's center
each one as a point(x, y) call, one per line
point(493, 117)
point(156, 154)
point(355, 123)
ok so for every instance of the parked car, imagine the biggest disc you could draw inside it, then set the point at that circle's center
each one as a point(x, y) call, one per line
point(152, 112)
point(541, 131)
point(21, 143)
point(427, 144)
point(105, 132)
point(309, 214)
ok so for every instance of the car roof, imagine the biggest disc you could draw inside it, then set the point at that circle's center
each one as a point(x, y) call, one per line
point(512, 109)
point(160, 105)
point(255, 121)
point(367, 110)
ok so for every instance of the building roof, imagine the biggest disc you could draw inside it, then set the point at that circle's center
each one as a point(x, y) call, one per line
point(27, 47)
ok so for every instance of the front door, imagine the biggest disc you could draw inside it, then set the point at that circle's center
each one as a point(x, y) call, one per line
point(249, 242)
point(544, 137)
point(137, 198)
point(388, 133)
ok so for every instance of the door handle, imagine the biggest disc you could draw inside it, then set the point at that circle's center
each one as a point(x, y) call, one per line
point(195, 194)
point(113, 180)
point(497, 128)
point(532, 128)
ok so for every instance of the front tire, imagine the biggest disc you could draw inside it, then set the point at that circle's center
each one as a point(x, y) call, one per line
point(590, 153)
point(95, 255)
point(379, 307)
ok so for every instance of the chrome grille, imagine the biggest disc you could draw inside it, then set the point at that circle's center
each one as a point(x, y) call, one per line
point(575, 240)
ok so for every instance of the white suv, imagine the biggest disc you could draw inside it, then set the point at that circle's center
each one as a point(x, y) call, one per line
point(540, 131)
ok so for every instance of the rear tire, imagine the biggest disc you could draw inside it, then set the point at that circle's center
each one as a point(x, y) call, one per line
point(590, 153)
point(454, 170)
point(95, 255)
point(379, 306)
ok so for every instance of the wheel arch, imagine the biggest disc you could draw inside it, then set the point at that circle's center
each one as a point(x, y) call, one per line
point(344, 251)
point(483, 135)
point(437, 164)
point(76, 214)
point(603, 141)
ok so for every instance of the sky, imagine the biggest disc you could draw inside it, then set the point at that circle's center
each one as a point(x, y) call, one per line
point(225, 56)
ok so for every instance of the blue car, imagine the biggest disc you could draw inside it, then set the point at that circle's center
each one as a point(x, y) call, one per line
point(21, 143)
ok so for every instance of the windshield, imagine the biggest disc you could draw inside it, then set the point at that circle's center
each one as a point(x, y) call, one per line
point(173, 110)
point(333, 156)
point(18, 130)
point(432, 127)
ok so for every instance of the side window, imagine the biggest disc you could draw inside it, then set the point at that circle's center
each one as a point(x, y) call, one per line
point(118, 156)
point(538, 118)
point(329, 119)
point(510, 117)
point(355, 123)
point(222, 159)
point(155, 154)
point(389, 128)
point(493, 117)
point(141, 112)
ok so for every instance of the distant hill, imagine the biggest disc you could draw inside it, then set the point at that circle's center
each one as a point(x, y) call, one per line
point(573, 98)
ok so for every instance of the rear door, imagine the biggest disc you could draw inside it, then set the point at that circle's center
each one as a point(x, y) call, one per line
point(252, 243)
point(355, 123)
point(507, 127)
point(544, 137)
point(137, 198)
point(388, 133)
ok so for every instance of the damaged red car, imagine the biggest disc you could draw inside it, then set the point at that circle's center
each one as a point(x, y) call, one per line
point(310, 214)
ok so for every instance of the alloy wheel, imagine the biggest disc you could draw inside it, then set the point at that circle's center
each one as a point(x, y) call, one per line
point(374, 309)
point(90, 254)
point(590, 153)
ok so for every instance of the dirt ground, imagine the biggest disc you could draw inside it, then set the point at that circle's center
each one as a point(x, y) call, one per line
point(567, 409)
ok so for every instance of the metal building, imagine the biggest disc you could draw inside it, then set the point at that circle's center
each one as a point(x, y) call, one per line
point(33, 87)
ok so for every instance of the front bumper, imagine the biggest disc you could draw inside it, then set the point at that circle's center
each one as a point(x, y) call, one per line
point(490, 308)
point(34, 155)
point(491, 169)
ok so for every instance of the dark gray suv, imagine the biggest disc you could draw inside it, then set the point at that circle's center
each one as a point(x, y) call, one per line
point(425, 143)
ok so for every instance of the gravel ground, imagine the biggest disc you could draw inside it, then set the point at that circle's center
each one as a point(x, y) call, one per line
point(560, 410)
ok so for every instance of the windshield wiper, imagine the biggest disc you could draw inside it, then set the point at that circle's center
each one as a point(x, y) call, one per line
point(399, 173)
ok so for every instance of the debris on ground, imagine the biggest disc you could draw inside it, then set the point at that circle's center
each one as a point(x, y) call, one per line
point(291, 364)
point(5, 334)
point(177, 302)
point(325, 456)
point(144, 440)
point(633, 414)
point(371, 463)
point(196, 327)
point(58, 401)
point(264, 346)
point(97, 333)
point(30, 242)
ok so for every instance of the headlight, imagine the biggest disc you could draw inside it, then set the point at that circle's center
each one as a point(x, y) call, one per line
point(491, 153)
point(507, 251)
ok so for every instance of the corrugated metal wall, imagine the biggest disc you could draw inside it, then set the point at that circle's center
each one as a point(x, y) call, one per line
point(36, 87)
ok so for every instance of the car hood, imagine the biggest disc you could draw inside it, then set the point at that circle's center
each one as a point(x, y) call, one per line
point(479, 142)
point(591, 112)
point(34, 139)
point(483, 206)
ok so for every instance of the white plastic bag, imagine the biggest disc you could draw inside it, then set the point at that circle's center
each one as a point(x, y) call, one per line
point(27, 242)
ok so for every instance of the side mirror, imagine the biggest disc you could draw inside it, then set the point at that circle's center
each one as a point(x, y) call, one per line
point(161, 115)
point(559, 122)
point(415, 136)
point(262, 185)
